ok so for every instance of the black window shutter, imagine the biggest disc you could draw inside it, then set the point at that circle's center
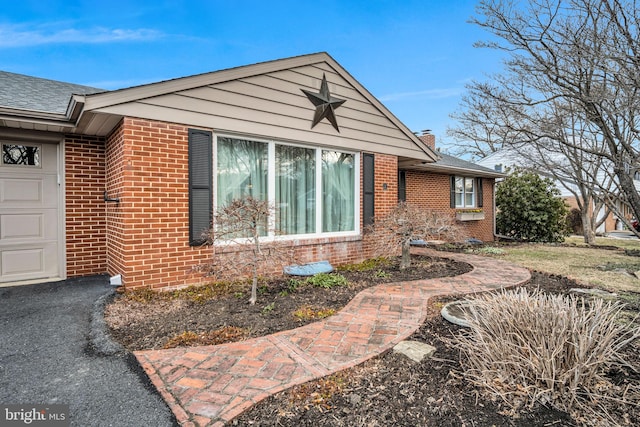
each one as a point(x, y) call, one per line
point(453, 191)
point(479, 192)
point(200, 185)
point(402, 186)
point(368, 186)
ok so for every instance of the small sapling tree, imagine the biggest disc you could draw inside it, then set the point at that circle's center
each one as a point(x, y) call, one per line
point(239, 241)
point(405, 223)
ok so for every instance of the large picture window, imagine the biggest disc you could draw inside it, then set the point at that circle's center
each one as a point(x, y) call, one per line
point(313, 190)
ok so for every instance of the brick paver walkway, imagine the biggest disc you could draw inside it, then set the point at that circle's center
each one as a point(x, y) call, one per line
point(210, 385)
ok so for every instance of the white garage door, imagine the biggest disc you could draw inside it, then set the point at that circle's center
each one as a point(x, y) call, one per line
point(28, 212)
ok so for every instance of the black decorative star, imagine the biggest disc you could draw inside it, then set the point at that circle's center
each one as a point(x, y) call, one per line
point(325, 104)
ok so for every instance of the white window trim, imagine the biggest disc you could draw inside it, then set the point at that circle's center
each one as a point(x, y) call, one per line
point(271, 186)
point(474, 202)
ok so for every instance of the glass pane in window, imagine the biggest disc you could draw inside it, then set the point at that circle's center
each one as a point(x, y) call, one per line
point(459, 191)
point(242, 170)
point(459, 185)
point(468, 192)
point(295, 189)
point(26, 155)
point(468, 199)
point(338, 191)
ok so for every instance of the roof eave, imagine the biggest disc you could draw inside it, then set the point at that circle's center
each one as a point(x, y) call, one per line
point(34, 117)
point(434, 167)
point(120, 96)
point(75, 107)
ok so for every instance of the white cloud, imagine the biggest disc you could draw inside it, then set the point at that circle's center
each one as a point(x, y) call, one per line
point(17, 36)
point(426, 94)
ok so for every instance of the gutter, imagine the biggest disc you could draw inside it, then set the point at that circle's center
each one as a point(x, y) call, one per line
point(436, 168)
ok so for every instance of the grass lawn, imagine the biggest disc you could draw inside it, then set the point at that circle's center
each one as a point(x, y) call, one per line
point(607, 270)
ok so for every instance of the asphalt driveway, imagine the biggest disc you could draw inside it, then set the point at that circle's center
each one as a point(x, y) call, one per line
point(51, 352)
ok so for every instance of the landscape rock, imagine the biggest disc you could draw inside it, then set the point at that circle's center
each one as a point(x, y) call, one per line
point(414, 350)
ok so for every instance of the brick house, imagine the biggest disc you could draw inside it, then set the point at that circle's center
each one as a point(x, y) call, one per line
point(122, 182)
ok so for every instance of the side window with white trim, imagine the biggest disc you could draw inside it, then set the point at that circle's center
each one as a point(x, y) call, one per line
point(466, 192)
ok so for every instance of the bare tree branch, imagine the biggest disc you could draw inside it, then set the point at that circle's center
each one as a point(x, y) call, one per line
point(240, 229)
point(570, 86)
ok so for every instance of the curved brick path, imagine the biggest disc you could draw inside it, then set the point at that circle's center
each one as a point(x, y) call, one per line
point(209, 385)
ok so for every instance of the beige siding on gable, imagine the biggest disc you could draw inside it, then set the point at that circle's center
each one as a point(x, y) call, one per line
point(272, 105)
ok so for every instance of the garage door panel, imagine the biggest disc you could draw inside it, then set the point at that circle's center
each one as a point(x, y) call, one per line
point(20, 191)
point(23, 261)
point(21, 227)
point(29, 263)
point(29, 219)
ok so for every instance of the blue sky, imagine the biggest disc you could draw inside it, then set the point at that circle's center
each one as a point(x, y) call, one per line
point(414, 56)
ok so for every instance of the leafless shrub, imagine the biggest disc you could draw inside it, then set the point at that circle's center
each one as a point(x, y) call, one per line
point(241, 245)
point(533, 347)
point(405, 223)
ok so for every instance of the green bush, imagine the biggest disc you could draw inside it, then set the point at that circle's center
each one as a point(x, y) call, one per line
point(530, 208)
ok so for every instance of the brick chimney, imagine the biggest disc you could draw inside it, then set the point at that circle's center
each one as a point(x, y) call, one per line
point(428, 139)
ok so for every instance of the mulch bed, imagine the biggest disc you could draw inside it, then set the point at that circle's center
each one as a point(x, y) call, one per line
point(387, 390)
point(152, 325)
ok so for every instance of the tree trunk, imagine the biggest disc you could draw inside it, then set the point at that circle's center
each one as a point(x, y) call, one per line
point(629, 189)
point(254, 286)
point(405, 260)
point(587, 227)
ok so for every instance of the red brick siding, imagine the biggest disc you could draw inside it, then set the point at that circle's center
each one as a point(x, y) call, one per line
point(432, 191)
point(148, 230)
point(84, 206)
point(145, 236)
point(115, 187)
point(386, 174)
point(148, 235)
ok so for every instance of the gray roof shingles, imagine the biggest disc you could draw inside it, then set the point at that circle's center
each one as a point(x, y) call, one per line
point(454, 162)
point(37, 94)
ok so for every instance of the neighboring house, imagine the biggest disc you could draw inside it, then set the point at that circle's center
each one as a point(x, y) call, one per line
point(506, 158)
point(123, 182)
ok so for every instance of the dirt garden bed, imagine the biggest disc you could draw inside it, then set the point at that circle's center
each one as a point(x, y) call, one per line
point(387, 390)
point(149, 320)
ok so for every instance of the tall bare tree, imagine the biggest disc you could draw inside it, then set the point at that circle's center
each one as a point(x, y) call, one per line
point(483, 127)
point(541, 140)
point(569, 62)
